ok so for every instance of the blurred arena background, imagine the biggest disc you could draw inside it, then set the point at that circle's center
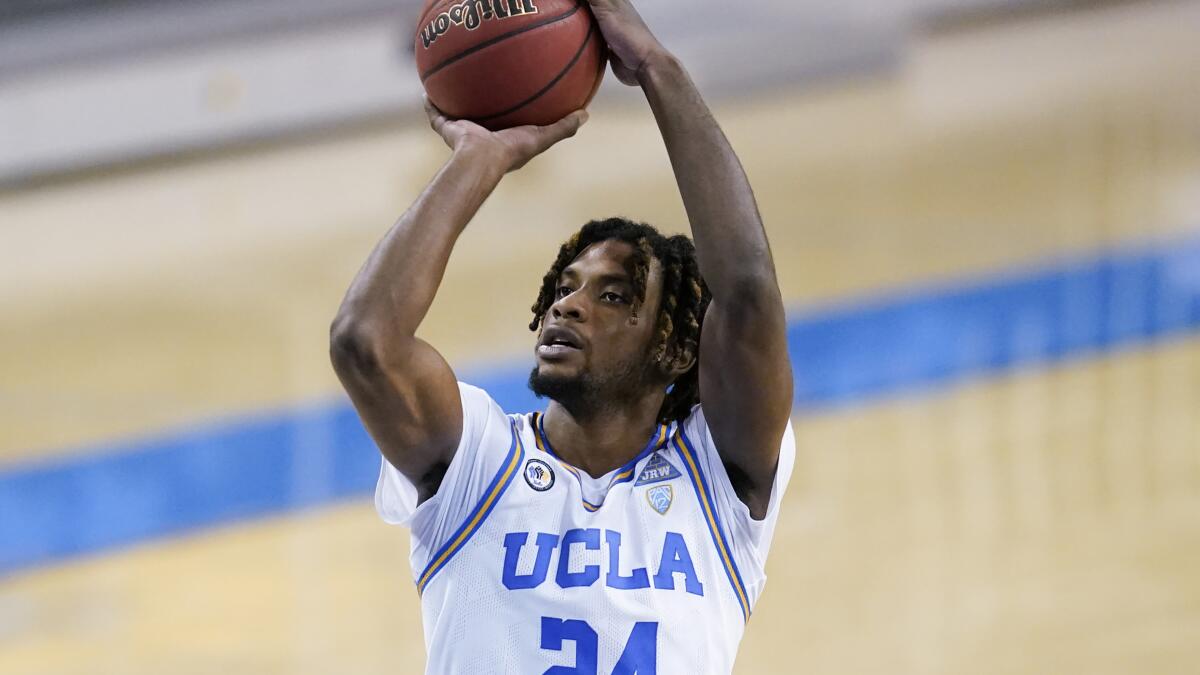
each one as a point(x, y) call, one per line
point(986, 218)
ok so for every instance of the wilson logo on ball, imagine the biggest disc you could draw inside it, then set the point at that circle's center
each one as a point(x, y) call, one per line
point(471, 14)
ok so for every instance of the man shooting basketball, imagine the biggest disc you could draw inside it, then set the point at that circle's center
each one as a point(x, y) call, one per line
point(625, 529)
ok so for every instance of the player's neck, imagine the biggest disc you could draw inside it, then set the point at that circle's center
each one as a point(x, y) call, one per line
point(604, 440)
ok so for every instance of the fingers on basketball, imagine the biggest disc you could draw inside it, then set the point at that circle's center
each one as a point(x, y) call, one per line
point(561, 130)
point(436, 118)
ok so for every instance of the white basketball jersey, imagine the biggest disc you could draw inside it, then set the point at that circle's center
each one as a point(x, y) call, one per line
point(526, 564)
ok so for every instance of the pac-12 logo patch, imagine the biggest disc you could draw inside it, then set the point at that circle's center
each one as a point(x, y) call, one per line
point(539, 475)
point(657, 470)
point(660, 498)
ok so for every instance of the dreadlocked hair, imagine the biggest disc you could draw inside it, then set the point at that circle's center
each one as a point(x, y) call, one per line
point(685, 298)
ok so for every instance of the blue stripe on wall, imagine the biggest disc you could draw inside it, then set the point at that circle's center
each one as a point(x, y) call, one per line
point(273, 463)
point(1070, 310)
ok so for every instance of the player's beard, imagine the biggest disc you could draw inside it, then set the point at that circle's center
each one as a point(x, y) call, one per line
point(590, 393)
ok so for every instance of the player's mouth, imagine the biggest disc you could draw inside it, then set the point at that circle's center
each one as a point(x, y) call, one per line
point(558, 342)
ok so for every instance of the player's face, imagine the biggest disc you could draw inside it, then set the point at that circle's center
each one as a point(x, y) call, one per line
point(590, 345)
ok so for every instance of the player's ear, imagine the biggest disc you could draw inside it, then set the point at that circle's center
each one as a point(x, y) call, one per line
point(678, 360)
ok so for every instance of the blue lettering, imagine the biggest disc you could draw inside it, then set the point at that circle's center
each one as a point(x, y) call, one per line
point(590, 538)
point(587, 644)
point(513, 543)
point(641, 651)
point(636, 579)
point(677, 560)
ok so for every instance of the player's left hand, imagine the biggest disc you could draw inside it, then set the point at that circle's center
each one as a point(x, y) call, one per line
point(513, 148)
point(631, 44)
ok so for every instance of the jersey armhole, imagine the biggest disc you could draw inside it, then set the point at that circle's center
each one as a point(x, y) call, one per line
point(718, 531)
point(697, 431)
point(749, 539)
point(479, 513)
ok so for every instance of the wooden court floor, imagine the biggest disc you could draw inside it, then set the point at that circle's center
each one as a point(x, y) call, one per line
point(1045, 521)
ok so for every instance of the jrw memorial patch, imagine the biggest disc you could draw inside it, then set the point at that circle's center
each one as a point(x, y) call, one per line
point(657, 470)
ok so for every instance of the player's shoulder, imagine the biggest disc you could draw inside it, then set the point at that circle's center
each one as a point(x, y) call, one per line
point(480, 409)
point(694, 431)
point(477, 402)
point(469, 393)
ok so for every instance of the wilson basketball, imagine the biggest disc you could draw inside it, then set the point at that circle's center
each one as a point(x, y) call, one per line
point(504, 63)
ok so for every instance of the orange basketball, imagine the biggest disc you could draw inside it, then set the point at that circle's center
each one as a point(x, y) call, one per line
point(504, 63)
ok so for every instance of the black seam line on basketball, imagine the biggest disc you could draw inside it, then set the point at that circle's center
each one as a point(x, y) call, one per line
point(561, 75)
point(499, 38)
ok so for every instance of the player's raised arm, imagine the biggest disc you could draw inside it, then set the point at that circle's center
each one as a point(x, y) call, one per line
point(403, 389)
point(745, 374)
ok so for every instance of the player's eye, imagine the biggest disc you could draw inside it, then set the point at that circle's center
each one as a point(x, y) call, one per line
point(613, 297)
point(562, 292)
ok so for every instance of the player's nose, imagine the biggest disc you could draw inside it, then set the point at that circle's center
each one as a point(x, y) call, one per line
point(572, 306)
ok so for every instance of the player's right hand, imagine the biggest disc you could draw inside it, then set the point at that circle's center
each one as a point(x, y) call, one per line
point(632, 46)
point(511, 148)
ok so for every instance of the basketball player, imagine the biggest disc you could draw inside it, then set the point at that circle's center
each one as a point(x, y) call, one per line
point(624, 529)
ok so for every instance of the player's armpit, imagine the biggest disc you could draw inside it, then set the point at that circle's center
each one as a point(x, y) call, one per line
point(408, 399)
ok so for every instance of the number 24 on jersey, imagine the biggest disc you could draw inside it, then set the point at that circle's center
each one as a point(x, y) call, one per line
point(639, 657)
